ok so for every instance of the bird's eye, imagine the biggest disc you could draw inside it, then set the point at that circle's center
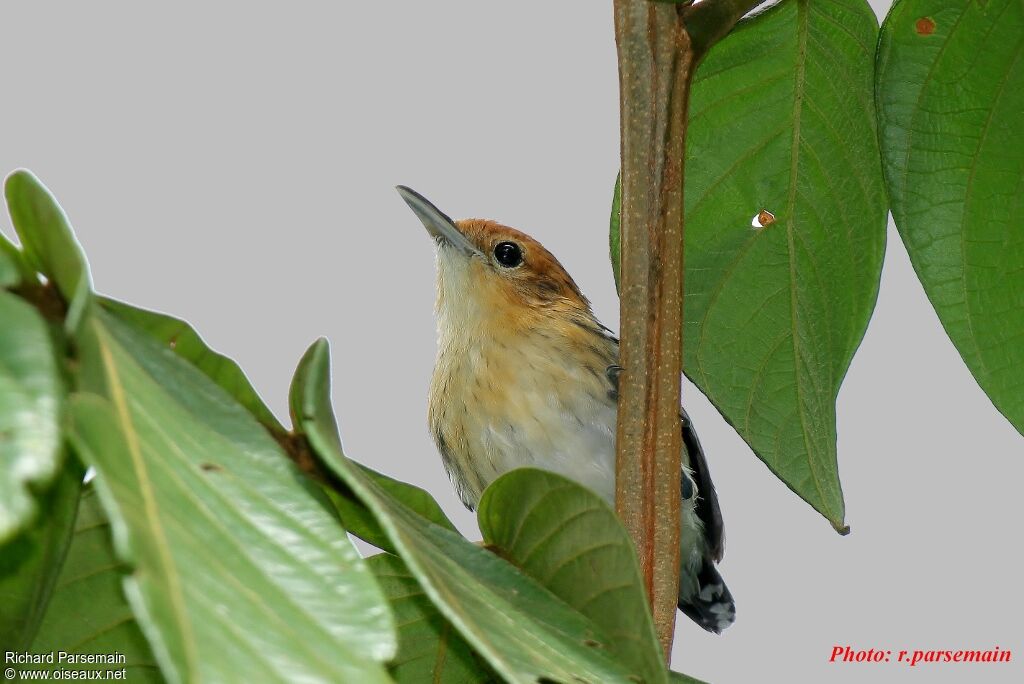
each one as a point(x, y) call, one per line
point(508, 254)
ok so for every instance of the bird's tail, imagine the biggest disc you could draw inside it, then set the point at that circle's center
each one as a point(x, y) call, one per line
point(711, 606)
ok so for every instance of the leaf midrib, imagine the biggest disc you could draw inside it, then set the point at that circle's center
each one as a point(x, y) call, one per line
point(256, 599)
point(175, 593)
point(800, 83)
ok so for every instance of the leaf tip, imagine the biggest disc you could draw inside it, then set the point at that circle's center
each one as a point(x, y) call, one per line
point(311, 382)
point(19, 175)
point(20, 181)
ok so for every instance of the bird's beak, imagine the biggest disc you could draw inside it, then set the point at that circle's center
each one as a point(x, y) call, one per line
point(440, 227)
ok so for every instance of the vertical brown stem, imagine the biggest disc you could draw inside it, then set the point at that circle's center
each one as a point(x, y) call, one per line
point(655, 66)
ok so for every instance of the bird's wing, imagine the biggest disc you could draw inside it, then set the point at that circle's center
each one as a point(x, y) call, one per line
point(707, 508)
point(708, 511)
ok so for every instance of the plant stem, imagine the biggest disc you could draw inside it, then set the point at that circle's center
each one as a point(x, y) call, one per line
point(659, 45)
point(655, 65)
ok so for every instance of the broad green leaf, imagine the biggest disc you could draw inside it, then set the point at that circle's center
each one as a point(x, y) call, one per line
point(239, 570)
point(523, 631)
point(429, 648)
point(186, 342)
point(30, 563)
point(785, 231)
point(31, 397)
point(88, 612)
point(360, 521)
point(950, 95)
point(49, 243)
point(570, 540)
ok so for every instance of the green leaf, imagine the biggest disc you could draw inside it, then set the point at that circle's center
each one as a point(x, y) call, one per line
point(679, 678)
point(950, 94)
point(88, 611)
point(13, 269)
point(523, 631)
point(11, 259)
point(360, 521)
point(782, 128)
point(429, 648)
point(239, 570)
point(570, 540)
point(30, 563)
point(31, 398)
point(186, 342)
point(9, 275)
point(49, 243)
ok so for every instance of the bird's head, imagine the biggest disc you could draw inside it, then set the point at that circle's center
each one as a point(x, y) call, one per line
point(490, 274)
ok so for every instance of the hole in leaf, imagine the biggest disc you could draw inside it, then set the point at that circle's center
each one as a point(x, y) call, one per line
point(925, 26)
point(762, 219)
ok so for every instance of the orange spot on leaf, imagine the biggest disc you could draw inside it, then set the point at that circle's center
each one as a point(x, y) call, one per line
point(765, 218)
point(925, 26)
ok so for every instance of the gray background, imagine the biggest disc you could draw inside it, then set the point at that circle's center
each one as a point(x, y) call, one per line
point(234, 164)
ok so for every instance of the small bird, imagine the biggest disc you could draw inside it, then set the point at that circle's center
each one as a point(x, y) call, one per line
point(527, 376)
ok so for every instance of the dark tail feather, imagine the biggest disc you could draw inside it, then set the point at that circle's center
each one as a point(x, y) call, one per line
point(712, 607)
